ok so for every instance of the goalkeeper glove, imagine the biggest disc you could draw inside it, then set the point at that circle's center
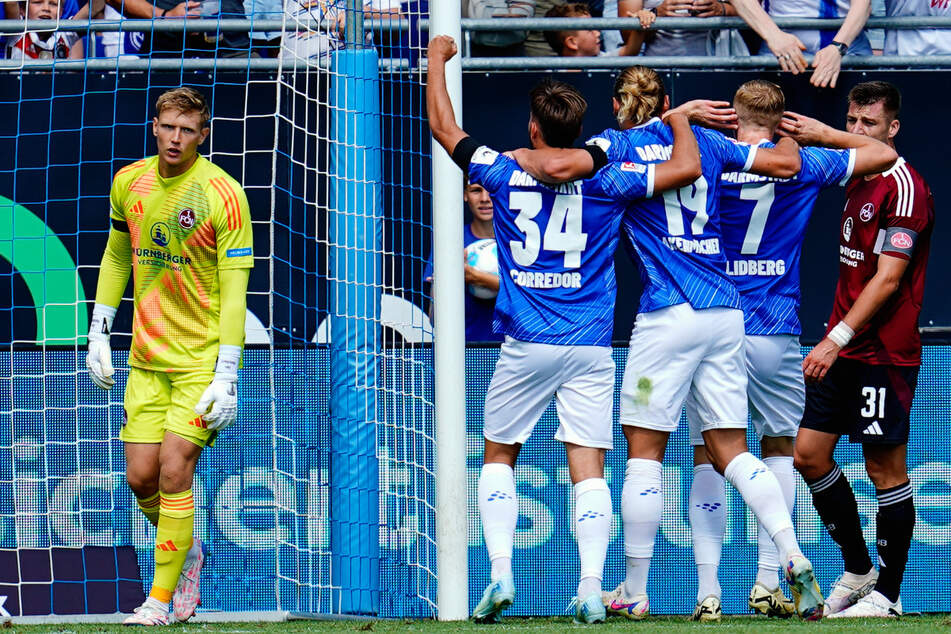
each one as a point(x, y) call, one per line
point(99, 354)
point(222, 394)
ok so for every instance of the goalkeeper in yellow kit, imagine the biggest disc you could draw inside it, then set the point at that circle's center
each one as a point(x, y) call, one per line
point(181, 225)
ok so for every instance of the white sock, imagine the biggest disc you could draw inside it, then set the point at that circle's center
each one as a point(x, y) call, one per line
point(761, 492)
point(707, 513)
point(768, 563)
point(592, 531)
point(158, 605)
point(498, 507)
point(642, 506)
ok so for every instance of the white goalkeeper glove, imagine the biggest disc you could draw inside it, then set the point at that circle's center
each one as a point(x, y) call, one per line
point(98, 352)
point(222, 394)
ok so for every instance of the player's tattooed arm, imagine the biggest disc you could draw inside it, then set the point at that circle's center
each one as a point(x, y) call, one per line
point(442, 118)
point(683, 167)
point(876, 292)
point(782, 161)
point(871, 155)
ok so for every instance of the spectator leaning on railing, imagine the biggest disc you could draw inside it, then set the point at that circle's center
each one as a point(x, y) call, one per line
point(828, 47)
point(43, 44)
point(587, 42)
point(498, 43)
point(917, 41)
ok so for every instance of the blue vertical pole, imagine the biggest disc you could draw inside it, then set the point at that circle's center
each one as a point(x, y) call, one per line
point(355, 234)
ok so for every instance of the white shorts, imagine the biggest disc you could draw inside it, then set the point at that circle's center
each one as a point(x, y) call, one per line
point(527, 375)
point(776, 390)
point(677, 354)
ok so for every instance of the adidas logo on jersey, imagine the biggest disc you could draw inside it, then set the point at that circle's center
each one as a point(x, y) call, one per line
point(873, 430)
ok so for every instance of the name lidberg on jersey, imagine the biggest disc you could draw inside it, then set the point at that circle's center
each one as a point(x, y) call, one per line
point(532, 279)
point(759, 268)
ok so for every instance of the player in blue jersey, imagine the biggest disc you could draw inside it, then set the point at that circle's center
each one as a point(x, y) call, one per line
point(688, 335)
point(763, 221)
point(556, 308)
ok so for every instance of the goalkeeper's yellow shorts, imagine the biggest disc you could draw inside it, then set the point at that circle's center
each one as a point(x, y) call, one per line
point(160, 402)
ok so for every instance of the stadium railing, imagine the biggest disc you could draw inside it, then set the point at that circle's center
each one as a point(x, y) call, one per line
point(468, 26)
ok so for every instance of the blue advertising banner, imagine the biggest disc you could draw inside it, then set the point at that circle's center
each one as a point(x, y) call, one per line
point(262, 492)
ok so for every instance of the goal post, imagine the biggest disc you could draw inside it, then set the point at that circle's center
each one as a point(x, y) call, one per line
point(355, 243)
point(448, 288)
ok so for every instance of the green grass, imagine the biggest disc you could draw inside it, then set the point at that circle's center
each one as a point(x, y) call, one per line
point(932, 623)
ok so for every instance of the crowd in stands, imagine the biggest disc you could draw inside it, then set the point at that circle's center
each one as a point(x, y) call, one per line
point(763, 36)
point(299, 43)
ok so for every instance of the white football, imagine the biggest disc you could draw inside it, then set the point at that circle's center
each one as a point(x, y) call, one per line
point(483, 256)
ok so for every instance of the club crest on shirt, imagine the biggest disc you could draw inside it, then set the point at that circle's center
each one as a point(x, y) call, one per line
point(868, 210)
point(901, 240)
point(159, 234)
point(847, 229)
point(186, 218)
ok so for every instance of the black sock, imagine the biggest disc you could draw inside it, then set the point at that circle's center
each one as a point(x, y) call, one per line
point(834, 501)
point(895, 524)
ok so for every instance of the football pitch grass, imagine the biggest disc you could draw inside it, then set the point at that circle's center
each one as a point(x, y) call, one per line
point(928, 622)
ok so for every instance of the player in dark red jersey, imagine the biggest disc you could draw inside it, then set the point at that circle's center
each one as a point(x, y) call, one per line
point(861, 377)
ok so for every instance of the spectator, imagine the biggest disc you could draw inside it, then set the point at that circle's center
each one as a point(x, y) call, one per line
point(11, 10)
point(672, 42)
point(587, 42)
point(309, 44)
point(498, 43)
point(535, 43)
point(220, 44)
point(917, 41)
point(266, 43)
point(44, 44)
point(118, 43)
point(829, 48)
point(479, 312)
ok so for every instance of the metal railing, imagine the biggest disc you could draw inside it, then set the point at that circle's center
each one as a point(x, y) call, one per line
point(205, 25)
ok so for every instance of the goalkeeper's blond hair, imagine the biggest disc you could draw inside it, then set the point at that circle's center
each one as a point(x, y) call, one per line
point(184, 100)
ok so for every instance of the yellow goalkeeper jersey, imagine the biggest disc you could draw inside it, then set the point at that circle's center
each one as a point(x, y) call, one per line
point(183, 230)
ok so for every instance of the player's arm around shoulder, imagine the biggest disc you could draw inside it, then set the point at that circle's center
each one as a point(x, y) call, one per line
point(781, 161)
point(559, 165)
point(871, 155)
point(684, 166)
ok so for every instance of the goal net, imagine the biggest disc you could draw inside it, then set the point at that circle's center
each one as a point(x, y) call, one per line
point(321, 498)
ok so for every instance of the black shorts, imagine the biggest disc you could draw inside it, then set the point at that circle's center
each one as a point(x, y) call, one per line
point(870, 403)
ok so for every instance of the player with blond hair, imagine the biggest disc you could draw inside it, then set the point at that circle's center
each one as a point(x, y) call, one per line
point(763, 221)
point(556, 310)
point(182, 227)
point(687, 341)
